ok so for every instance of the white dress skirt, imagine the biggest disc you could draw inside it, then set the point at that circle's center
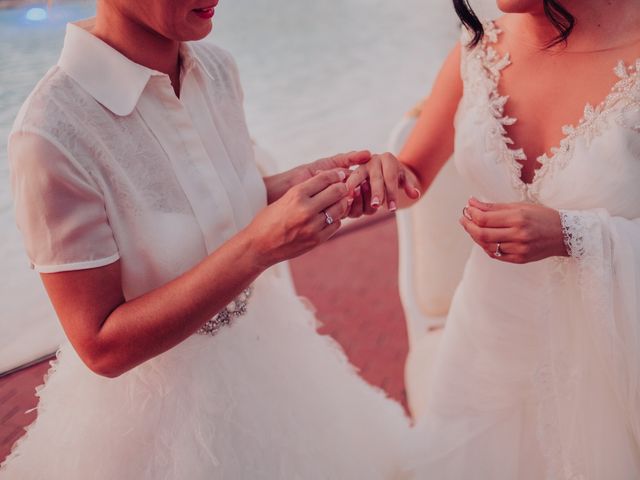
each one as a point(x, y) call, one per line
point(266, 398)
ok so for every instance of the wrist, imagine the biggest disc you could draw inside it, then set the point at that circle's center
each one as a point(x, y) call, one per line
point(256, 251)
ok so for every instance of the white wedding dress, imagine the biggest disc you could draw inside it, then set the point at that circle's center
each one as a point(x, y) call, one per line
point(108, 164)
point(538, 375)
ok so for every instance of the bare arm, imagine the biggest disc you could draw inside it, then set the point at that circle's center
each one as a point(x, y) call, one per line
point(430, 144)
point(112, 335)
point(400, 182)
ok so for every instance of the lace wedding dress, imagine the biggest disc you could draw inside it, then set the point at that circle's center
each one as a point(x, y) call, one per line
point(538, 376)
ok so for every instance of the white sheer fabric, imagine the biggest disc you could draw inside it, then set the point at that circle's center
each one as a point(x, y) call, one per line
point(107, 164)
point(538, 375)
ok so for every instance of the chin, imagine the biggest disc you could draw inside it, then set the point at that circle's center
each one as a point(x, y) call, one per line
point(200, 33)
point(520, 6)
point(192, 33)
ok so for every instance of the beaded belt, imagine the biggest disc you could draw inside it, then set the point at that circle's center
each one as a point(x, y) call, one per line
point(235, 309)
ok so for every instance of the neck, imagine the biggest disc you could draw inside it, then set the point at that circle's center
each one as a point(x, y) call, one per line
point(137, 42)
point(599, 24)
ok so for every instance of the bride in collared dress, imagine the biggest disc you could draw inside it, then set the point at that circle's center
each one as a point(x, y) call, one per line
point(143, 210)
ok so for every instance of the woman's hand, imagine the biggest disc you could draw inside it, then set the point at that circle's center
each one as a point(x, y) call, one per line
point(380, 181)
point(515, 233)
point(278, 185)
point(307, 215)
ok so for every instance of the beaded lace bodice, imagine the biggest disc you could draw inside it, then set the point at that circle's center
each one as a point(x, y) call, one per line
point(603, 143)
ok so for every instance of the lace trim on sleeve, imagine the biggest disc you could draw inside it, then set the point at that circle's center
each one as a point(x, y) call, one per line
point(574, 230)
point(578, 231)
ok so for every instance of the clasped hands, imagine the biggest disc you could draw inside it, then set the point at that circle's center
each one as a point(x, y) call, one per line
point(516, 232)
point(308, 203)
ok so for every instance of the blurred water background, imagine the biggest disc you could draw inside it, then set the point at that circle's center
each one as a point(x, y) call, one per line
point(319, 77)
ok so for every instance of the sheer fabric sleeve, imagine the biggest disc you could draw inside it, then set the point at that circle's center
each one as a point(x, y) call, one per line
point(59, 209)
point(606, 249)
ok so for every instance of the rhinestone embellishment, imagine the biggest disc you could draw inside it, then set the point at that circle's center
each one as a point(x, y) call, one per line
point(235, 309)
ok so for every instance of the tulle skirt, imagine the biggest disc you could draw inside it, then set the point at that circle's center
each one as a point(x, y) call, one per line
point(518, 392)
point(267, 398)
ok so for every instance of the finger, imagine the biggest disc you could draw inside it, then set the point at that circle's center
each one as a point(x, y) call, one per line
point(357, 209)
point(347, 173)
point(357, 177)
point(320, 182)
point(410, 184)
point(366, 199)
point(329, 231)
point(506, 256)
point(336, 212)
point(485, 236)
point(516, 259)
point(491, 219)
point(376, 182)
point(506, 248)
point(390, 174)
point(488, 207)
point(330, 195)
point(346, 160)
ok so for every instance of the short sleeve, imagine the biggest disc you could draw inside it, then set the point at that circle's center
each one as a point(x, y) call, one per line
point(59, 209)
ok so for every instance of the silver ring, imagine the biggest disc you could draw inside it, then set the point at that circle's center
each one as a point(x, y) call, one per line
point(498, 252)
point(465, 213)
point(328, 219)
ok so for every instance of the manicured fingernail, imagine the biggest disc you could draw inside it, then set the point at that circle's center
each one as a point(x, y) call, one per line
point(418, 192)
point(342, 175)
point(392, 206)
point(375, 202)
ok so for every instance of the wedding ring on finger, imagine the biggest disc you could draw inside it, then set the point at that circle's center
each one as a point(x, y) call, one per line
point(328, 219)
point(466, 214)
point(498, 253)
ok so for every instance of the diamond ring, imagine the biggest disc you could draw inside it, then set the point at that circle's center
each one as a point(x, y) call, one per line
point(498, 252)
point(328, 219)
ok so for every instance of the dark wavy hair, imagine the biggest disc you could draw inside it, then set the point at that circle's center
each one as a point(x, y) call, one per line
point(558, 16)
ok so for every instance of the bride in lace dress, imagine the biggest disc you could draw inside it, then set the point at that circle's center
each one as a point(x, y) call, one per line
point(538, 374)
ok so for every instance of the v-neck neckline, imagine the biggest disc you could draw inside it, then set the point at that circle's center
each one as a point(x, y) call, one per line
point(493, 65)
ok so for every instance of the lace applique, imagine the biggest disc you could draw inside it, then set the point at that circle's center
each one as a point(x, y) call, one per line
point(629, 90)
point(574, 231)
point(595, 120)
point(485, 72)
point(483, 76)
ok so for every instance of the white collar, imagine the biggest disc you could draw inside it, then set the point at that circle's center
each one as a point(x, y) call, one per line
point(107, 75)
